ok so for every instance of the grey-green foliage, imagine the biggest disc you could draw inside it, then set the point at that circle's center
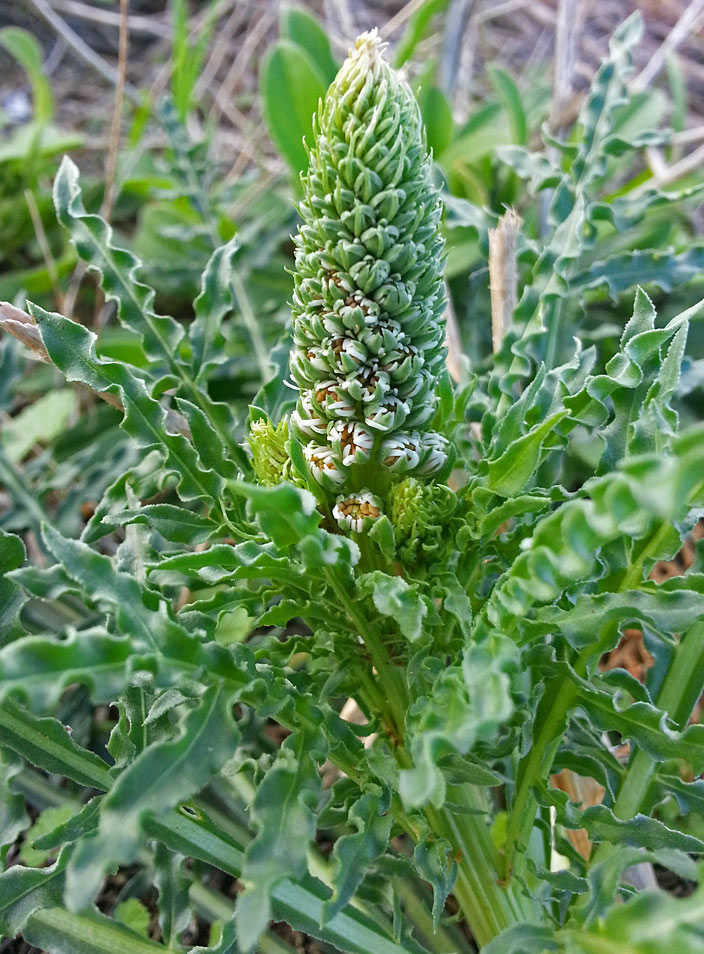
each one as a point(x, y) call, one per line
point(466, 625)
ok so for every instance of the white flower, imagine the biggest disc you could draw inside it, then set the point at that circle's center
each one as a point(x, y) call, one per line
point(324, 465)
point(401, 452)
point(433, 453)
point(348, 354)
point(369, 384)
point(352, 441)
point(388, 415)
point(331, 399)
point(305, 419)
point(352, 511)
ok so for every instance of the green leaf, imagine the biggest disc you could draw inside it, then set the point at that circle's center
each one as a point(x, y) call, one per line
point(284, 814)
point(13, 816)
point(417, 28)
point(172, 884)
point(653, 921)
point(354, 854)
point(285, 513)
point(432, 858)
point(668, 608)
point(133, 915)
point(607, 93)
point(394, 597)
point(510, 97)
point(47, 821)
point(437, 119)
point(39, 423)
point(510, 473)
point(299, 904)
point(301, 27)
point(664, 268)
point(28, 53)
point(213, 304)
point(47, 744)
point(39, 669)
point(72, 348)
point(62, 932)
point(117, 268)
point(291, 85)
point(565, 544)
point(12, 555)
point(173, 523)
point(26, 890)
point(523, 939)
point(162, 776)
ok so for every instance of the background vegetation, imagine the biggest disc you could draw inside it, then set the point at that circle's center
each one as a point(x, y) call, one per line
point(186, 122)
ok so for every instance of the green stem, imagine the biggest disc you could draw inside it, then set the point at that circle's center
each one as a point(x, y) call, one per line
point(680, 691)
point(487, 903)
point(536, 764)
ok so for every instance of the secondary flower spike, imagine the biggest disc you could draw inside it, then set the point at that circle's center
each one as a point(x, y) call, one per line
point(368, 304)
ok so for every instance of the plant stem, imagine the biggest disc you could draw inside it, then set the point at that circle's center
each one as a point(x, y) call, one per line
point(680, 691)
point(538, 761)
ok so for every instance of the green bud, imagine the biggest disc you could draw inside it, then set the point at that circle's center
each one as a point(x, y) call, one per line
point(419, 514)
point(368, 304)
point(270, 461)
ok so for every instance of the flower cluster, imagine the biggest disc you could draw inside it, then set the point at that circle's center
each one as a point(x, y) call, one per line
point(270, 461)
point(368, 304)
point(419, 513)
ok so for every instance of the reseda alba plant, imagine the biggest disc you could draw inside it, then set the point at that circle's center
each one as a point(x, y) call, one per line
point(430, 653)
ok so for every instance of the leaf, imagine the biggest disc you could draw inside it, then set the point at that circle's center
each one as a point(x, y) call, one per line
point(99, 576)
point(631, 382)
point(13, 815)
point(133, 915)
point(395, 598)
point(39, 423)
point(667, 608)
point(172, 884)
point(565, 543)
point(418, 23)
point(117, 268)
point(40, 669)
point(604, 876)
point(510, 97)
point(437, 119)
point(173, 523)
point(72, 349)
point(664, 268)
point(607, 93)
point(30, 855)
point(432, 859)
point(510, 473)
point(301, 27)
point(285, 513)
point(651, 921)
point(62, 932)
point(26, 890)
point(12, 555)
point(162, 776)
point(354, 854)
point(47, 744)
point(26, 50)
point(291, 85)
point(523, 939)
point(211, 306)
point(299, 904)
point(284, 814)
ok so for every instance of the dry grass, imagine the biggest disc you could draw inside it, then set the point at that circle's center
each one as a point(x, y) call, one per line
point(523, 35)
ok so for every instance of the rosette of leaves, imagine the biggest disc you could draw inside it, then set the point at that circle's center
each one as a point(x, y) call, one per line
point(368, 302)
